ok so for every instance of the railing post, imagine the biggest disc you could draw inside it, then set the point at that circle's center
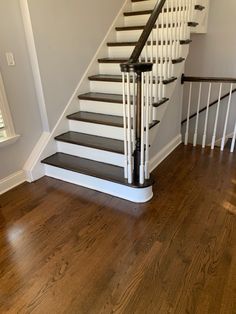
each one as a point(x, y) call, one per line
point(141, 118)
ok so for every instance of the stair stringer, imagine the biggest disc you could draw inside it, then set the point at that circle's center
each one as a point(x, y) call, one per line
point(35, 169)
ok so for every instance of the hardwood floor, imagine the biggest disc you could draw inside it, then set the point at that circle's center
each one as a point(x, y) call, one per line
point(66, 249)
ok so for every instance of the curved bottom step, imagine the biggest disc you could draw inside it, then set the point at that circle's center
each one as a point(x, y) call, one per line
point(97, 176)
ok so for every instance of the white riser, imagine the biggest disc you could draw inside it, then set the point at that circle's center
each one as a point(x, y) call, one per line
point(114, 88)
point(135, 20)
point(134, 35)
point(101, 107)
point(97, 129)
point(126, 51)
point(112, 109)
point(91, 153)
point(118, 190)
point(148, 5)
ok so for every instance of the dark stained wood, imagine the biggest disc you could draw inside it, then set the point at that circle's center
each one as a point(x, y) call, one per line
point(92, 141)
point(118, 79)
point(104, 119)
point(208, 79)
point(102, 97)
point(123, 60)
point(141, 27)
point(92, 168)
point(133, 43)
point(67, 249)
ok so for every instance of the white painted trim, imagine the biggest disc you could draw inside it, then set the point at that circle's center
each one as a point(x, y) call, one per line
point(29, 35)
point(49, 144)
point(5, 110)
point(165, 152)
point(33, 158)
point(135, 195)
point(9, 140)
point(12, 181)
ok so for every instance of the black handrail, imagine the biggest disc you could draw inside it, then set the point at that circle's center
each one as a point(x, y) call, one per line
point(209, 80)
point(147, 31)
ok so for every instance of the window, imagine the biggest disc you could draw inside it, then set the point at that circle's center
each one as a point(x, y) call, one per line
point(7, 132)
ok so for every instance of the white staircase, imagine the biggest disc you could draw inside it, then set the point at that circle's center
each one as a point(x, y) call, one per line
point(87, 145)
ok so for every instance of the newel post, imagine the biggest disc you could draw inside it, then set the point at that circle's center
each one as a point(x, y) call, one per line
point(137, 72)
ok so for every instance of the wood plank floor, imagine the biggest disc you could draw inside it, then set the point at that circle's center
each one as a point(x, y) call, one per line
point(67, 249)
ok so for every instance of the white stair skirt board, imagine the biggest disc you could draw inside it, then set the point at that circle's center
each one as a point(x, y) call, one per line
point(91, 153)
point(135, 195)
point(12, 181)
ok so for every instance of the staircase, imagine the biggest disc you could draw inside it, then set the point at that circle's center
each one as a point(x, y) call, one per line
point(97, 146)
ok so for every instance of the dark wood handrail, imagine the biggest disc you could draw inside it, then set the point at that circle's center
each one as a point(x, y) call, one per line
point(147, 31)
point(212, 104)
point(208, 79)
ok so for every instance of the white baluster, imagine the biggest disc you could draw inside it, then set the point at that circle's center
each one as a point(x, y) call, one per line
point(129, 131)
point(206, 118)
point(216, 119)
point(226, 118)
point(233, 140)
point(147, 106)
point(125, 128)
point(158, 91)
point(134, 111)
point(141, 169)
point(197, 117)
point(188, 114)
point(162, 55)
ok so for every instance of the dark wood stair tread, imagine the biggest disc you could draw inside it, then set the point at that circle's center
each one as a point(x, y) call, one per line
point(141, 27)
point(92, 141)
point(144, 12)
point(97, 118)
point(123, 60)
point(118, 78)
point(91, 168)
point(133, 43)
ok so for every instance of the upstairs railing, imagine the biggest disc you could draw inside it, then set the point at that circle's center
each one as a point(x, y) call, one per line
point(210, 122)
point(145, 75)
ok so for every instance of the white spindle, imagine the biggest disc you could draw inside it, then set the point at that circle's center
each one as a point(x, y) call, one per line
point(226, 118)
point(158, 91)
point(216, 119)
point(141, 169)
point(233, 140)
point(206, 118)
point(197, 117)
point(162, 56)
point(188, 114)
point(147, 106)
point(134, 111)
point(129, 131)
point(125, 128)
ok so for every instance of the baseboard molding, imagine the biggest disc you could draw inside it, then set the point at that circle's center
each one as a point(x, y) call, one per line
point(12, 181)
point(165, 152)
point(34, 170)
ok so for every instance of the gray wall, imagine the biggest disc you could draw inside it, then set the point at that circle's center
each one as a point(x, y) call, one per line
point(19, 87)
point(214, 52)
point(67, 35)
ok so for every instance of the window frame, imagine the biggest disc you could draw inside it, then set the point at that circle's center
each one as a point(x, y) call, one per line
point(6, 115)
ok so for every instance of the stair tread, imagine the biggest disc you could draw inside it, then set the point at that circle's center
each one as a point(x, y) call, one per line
point(97, 142)
point(118, 79)
point(141, 27)
point(91, 168)
point(144, 12)
point(134, 43)
point(111, 98)
point(123, 60)
point(99, 118)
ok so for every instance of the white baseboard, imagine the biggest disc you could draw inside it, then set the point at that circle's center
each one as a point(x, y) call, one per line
point(12, 181)
point(165, 152)
point(33, 169)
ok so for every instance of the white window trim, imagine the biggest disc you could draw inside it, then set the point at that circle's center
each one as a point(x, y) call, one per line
point(5, 110)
